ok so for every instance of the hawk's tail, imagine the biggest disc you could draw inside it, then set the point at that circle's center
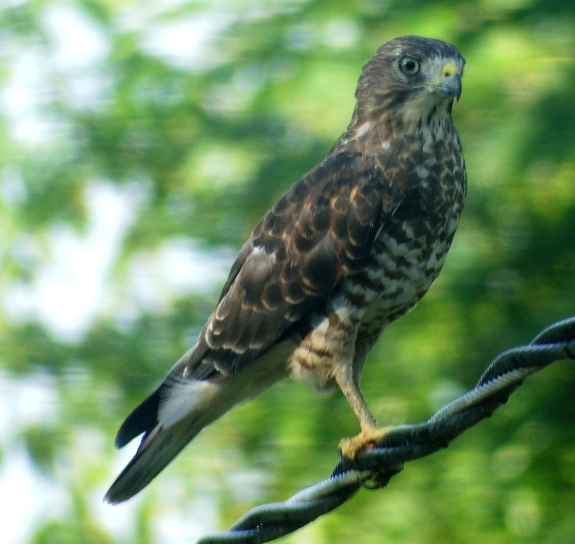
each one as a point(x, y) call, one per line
point(157, 449)
point(169, 418)
point(180, 408)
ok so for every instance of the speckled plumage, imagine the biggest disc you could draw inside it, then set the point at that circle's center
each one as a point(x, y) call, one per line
point(347, 250)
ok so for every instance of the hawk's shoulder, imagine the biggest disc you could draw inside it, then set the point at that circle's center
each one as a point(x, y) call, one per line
point(321, 229)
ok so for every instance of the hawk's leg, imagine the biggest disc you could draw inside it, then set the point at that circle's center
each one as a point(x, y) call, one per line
point(371, 433)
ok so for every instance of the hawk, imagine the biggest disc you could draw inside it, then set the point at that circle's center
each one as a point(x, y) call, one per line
point(348, 249)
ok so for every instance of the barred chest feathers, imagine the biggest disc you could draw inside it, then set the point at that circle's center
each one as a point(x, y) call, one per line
point(406, 255)
point(411, 248)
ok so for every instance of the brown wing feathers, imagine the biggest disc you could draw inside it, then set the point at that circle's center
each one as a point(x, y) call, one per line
point(321, 229)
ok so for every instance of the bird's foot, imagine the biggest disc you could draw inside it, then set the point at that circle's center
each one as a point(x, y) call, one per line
point(365, 440)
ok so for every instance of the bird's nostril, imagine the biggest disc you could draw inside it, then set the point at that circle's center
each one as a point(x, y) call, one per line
point(449, 69)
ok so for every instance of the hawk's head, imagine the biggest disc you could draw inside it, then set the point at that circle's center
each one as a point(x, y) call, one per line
point(410, 78)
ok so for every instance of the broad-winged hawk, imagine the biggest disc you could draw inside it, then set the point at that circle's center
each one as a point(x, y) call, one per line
point(347, 250)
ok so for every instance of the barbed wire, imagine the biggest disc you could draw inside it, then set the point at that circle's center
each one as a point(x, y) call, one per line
point(375, 467)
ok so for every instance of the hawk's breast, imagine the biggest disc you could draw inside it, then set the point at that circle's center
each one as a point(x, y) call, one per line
point(403, 261)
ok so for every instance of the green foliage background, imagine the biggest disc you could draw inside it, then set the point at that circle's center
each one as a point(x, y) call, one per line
point(202, 137)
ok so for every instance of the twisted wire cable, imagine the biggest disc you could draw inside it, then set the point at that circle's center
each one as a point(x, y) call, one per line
point(375, 467)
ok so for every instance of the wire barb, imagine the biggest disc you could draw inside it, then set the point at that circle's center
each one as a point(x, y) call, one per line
point(375, 467)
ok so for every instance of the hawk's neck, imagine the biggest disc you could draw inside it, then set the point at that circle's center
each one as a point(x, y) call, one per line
point(406, 147)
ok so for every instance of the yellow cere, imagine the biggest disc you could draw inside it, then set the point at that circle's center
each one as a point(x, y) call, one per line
point(449, 69)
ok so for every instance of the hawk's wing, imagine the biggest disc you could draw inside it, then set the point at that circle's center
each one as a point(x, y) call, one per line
point(320, 230)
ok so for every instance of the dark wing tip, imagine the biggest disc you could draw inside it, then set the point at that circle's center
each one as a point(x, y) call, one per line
point(142, 419)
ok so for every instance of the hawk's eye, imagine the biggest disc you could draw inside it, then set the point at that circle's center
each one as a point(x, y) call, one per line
point(409, 66)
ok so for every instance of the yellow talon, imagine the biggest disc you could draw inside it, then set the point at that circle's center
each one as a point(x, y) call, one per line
point(366, 439)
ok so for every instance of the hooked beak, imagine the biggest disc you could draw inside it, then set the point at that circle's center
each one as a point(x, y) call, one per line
point(451, 86)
